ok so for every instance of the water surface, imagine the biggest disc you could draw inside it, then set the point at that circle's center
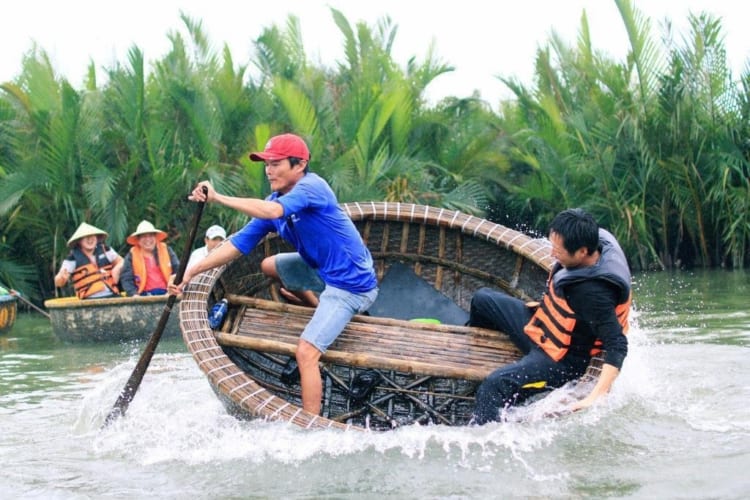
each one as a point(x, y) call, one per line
point(676, 424)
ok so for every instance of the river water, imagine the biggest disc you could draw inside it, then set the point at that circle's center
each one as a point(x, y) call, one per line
point(676, 425)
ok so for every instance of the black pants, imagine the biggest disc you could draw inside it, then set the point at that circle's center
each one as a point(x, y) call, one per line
point(534, 373)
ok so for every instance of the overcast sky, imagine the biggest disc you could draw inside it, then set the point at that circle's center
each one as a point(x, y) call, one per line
point(480, 38)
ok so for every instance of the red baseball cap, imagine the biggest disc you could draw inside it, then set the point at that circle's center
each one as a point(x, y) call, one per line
point(283, 146)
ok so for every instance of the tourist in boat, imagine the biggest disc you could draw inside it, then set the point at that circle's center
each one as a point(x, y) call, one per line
point(584, 311)
point(149, 264)
point(92, 266)
point(331, 258)
point(214, 235)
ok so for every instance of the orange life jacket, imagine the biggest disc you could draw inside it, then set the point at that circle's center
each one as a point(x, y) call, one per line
point(552, 325)
point(91, 278)
point(139, 264)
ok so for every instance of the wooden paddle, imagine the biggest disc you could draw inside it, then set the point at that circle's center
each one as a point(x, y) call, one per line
point(128, 392)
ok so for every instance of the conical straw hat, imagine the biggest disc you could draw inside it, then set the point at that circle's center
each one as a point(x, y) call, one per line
point(145, 227)
point(83, 231)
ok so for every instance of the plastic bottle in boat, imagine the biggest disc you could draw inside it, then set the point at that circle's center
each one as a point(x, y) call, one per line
point(218, 311)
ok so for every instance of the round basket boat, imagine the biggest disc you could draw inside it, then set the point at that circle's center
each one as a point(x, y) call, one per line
point(8, 308)
point(114, 319)
point(410, 361)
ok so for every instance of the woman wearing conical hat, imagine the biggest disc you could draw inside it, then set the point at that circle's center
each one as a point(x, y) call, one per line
point(93, 267)
point(150, 262)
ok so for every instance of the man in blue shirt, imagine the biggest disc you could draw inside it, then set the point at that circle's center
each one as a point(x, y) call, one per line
point(331, 258)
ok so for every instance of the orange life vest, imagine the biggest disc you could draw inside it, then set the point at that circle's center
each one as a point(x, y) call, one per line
point(139, 264)
point(91, 278)
point(552, 325)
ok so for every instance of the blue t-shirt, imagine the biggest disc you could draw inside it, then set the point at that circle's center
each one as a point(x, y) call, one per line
point(320, 231)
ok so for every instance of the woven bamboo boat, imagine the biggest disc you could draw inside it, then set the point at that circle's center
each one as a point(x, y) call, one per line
point(381, 372)
point(117, 319)
point(8, 308)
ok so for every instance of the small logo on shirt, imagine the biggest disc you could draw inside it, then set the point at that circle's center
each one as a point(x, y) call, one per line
point(292, 219)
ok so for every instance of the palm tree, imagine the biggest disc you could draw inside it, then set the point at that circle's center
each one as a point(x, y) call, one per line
point(363, 120)
point(49, 176)
point(648, 145)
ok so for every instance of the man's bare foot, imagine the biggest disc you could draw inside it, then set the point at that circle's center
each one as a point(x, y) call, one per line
point(304, 298)
point(289, 296)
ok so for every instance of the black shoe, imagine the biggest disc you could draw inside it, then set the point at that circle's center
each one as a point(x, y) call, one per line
point(290, 372)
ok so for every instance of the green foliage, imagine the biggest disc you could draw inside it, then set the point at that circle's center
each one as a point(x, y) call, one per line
point(652, 146)
point(655, 146)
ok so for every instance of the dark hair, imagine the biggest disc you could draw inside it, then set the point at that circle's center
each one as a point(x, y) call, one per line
point(294, 161)
point(577, 228)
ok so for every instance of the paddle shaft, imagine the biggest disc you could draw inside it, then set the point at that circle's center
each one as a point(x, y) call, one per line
point(128, 392)
point(31, 304)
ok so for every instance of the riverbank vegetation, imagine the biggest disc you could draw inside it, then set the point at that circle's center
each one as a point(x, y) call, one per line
point(655, 146)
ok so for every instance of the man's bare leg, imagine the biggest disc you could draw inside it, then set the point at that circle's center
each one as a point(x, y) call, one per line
point(309, 373)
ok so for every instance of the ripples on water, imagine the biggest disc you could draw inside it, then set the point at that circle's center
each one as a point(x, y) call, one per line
point(675, 426)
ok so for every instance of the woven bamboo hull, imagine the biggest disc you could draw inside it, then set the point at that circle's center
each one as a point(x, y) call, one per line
point(423, 375)
point(116, 319)
point(8, 306)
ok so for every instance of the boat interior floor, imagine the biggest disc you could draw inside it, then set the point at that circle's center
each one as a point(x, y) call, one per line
point(442, 350)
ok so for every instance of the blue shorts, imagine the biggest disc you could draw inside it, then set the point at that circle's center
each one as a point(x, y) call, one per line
point(336, 306)
point(296, 275)
point(334, 311)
